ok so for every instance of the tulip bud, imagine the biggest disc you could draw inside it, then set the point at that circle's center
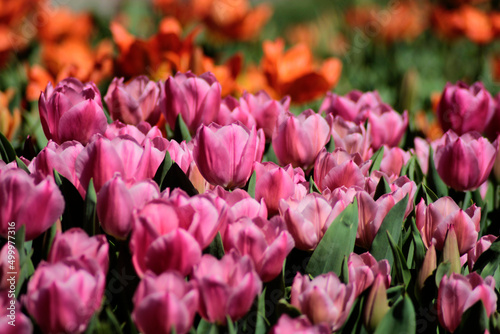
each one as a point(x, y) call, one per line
point(376, 305)
point(450, 251)
point(428, 266)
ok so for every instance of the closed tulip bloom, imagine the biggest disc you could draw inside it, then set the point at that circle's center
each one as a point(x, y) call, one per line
point(139, 132)
point(116, 201)
point(350, 136)
point(458, 293)
point(62, 297)
point(324, 300)
point(463, 108)
point(393, 160)
point(297, 140)
point(299, 325)
point(225, 154)
point(227, 287)
point(433, 222)
point(481, 246)
point(364, 268)
point(71, 111)
point(308, 219)
point(232, 111)
point(30, 200)
point(135, 101)
point(23, 323)
point(196, 98)
point(379, 123)
point(339, 168)
point(164, 303)
point(76, 244)
point(465, 162)
point(266, 242)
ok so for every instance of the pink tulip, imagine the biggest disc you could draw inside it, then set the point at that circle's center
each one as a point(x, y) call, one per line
point(164, 303)
point(434, 220)
point(62, 297)
point(137, 100)
point(324, 300)
point(10, 312)
point(75, 244)
point(139, 132)
point(232, 110)
point(225, 155)
point(196, 98)
point(275, 183)
point(458, 293)
point(297, 140)
point(350, 136)
point(379, 123)
point(372, 181)
point(267, 243)
point(364, 268)
point(401, 187)
point(227, 287)
point(337, 169)
point(340, 198)
point(308, 219)
point(463, 108)
point(265, 110)
point(354, 105)
point(465, 162)
point(481, 246)
point(300, 325)
point(393, 160)
point(71, 111)
point(30, 200)
point(116, 201)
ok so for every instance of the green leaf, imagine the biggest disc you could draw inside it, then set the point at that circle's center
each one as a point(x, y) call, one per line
point(7, 152)
point(90, 210)
point(337, 243)
point(419, 245)
point(377, 159)
point(260, 326)
point(216, 248)
point(392, 223)
point(331, 145)
point(383, 188)
point(474, 320)
point(205, 327)
point(162, 171)
point(313, 187)
point(400, 318)
point(413, 170)
point(22, 165)
point(442, 270)
point(251, 184)
point(433, 179)
point(181, 130)
point(115, 325)
point(431, 196)
point(402, 272)
point(230, 325)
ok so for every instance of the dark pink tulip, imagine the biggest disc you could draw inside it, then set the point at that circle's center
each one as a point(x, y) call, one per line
point(196, 98)
point(379, 125)
point(267, 243)
point(364, 268)
point(458, 293)
point(300, 325)
point(30, 200)
point(71, 111)
point(240, 204)
point(77, 245)
point(371, 214)
point(265, 110)
point(324, 300)
point(9, 263)
point(308, 219)
point(139, 132)
point(22, 323)
point(393, 160)
point(337, 169)
point(463, 108)
point(165, 302)
point(181, 154)
point(231, 111)
point(350, 136)
point(434, 220)
point(275, 183)
point(227, 287)
point(116, 201)
point(465, 162)
point(297, 140)
point(225, 154)
point(354, 105)
point(62, 297)
point(481, 246)
point(135, 101)
point(61, 158)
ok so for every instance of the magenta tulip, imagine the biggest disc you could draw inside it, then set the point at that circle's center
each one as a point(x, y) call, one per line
point(297, 140)
point(350, 136)
point(393, 160)
point(227, 287)
point(30, 200)
point(165, 303)
point(364, 268)
point(231, 111)
point(434, 220)
point(196, 98)
point(481, 246)
point(137, 100)
point(71, 111)
point(139, 132)
point(379, 123)
point(324, 300)
point(240, 204)
point(458, 293)
point(10, 309)
point(465, 162)
point(463, 108)
point(225, 154)
point(300, 325)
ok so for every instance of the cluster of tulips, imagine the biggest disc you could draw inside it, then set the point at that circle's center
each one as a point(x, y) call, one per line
point(237, 214)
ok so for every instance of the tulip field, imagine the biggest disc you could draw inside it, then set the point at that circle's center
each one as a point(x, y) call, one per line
point(239, 166)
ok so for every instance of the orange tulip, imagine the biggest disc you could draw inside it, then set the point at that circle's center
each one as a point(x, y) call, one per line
point(64, 24)
point(9, 122)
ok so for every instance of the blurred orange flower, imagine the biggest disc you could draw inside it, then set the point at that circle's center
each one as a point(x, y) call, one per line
point(9, 122)
point(294, 72)
point(65, 24)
